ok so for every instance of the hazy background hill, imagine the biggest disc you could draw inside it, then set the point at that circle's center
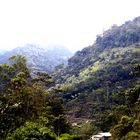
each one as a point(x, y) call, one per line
point(39, 58)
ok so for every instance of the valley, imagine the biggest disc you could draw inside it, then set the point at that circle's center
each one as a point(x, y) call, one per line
point(73, 96)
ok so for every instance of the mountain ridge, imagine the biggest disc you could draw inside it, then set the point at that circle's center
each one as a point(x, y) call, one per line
point(116, 37)
point(95, 74)
point(40, 58)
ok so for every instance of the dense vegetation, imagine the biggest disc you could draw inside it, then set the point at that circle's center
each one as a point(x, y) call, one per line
point(124, 117)
point(27, 110)
point(95, 76)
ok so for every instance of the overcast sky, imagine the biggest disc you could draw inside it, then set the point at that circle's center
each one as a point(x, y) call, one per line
point(72, 23)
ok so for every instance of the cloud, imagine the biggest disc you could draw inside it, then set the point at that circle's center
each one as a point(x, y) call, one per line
point(73, 23)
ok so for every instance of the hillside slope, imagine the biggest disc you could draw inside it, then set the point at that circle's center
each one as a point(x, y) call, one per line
point(94, 75)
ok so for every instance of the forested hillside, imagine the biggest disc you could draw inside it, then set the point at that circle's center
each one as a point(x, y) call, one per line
point(96, 76)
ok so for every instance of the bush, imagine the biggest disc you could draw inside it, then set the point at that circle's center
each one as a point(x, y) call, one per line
point(69, 137)
point(32, 131)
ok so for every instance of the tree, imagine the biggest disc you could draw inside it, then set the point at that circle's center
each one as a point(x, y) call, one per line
point(20, 98)
point(32, 131)
point(28, 110)
point(56, 116)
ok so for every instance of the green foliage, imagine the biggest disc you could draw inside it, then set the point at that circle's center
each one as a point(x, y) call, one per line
point(112, 76)
point(121, 129)
point(132, 136)
point(56, 115)
point(32, 131)
point(69, 137)
point(13, 94)
point(85, 129)
point(128, 127)
point(99, 81)
point(27, 110)
point(18, 62)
